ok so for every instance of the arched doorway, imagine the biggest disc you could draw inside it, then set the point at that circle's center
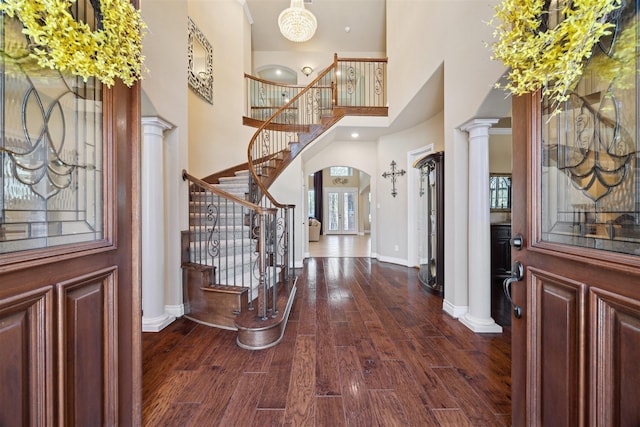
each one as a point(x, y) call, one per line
point(339, 198)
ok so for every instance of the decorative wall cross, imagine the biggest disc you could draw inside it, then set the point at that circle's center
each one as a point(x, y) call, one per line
point(393, 174)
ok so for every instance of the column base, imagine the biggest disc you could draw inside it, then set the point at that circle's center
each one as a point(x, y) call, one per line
point(156, 324)
point(481, 326)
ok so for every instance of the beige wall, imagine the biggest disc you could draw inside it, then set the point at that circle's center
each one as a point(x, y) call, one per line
point(500, 153)
point(217, 139)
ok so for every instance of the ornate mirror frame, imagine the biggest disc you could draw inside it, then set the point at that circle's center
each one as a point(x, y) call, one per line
point(200, 69)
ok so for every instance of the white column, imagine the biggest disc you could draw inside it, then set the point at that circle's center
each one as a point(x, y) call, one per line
point(154, 317)
point(478, 318)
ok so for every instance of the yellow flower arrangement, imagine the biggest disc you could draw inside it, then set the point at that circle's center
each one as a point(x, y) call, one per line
point(59, 41)
point(550, 59)
point(619, 67)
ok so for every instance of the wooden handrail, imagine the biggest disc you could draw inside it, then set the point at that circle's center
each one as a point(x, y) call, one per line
point(267, 122)
point(209, 187)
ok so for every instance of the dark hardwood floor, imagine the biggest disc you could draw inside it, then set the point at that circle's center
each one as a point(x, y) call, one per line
point(365, 345)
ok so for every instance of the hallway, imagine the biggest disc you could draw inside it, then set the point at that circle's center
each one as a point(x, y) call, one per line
point(341, 246)
point(365, 345)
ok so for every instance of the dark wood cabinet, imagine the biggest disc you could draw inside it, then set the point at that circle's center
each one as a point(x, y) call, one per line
point(500, 270)
point(500, 251)
point(431, 237)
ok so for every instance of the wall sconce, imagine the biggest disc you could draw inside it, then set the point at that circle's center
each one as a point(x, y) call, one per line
point(306, 70)
point(393, 174)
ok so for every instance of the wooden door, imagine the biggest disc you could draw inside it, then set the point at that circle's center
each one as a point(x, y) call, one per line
point(576, 203)
point(69, 255)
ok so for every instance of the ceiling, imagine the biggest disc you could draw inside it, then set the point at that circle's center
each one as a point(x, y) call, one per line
point(365, 20)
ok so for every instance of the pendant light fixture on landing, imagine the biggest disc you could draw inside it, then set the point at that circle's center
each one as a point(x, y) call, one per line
point(297, 23)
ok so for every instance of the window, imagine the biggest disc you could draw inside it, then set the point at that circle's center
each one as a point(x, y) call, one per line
point(500, 191)
point(340, 171)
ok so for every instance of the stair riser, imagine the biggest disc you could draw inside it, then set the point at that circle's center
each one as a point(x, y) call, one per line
point(213, 307)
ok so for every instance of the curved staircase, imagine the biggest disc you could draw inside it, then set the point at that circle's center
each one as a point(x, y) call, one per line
point(238, 252)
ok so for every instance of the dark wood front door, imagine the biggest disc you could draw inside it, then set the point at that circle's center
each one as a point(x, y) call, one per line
point(69, 257)
point(576, 202)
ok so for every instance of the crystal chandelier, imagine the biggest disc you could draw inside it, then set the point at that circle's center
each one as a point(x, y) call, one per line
point(297, 23)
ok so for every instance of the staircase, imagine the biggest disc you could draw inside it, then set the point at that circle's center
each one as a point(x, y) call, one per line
point(237, 256)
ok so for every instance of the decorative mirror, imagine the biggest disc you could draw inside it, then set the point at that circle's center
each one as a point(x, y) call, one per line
point(500, 192)
point(200, 63)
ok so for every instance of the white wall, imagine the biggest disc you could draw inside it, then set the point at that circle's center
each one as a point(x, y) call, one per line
point(422, 34)
point(392, 217)
point(164, 47)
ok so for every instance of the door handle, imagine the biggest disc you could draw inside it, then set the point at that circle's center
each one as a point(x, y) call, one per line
point(517, 273)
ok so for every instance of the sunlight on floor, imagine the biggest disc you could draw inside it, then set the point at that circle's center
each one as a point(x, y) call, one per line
point(341, 246)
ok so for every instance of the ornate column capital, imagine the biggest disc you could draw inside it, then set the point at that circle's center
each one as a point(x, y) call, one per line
point(156, 125)
point(478, 127)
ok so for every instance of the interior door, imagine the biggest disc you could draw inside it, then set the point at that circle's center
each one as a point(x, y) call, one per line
point(69, 255)
point(576, 204)
point(342, 211)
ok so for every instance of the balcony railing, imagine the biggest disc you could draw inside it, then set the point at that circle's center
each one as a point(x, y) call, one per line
point(347, 83)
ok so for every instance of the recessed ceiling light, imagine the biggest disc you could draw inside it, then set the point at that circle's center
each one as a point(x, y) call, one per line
point(278, 72)
point(347, 29)
point(354, 135)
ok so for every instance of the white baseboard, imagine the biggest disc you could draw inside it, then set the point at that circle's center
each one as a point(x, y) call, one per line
point(392, 260)
point(156, 324)
point(175, 310)
point(454, 311)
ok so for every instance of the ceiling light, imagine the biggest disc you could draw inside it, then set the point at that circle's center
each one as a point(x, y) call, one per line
point(354, 135)
point(306, 70)
point(297, 23)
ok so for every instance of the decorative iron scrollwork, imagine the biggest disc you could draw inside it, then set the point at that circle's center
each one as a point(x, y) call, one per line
point(213, 241)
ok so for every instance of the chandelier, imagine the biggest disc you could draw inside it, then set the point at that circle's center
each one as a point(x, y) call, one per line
point(297, 23)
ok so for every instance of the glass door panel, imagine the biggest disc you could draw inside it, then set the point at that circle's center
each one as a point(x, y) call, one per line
point(333, 212)
point(589, 173)
point(51, 150)
point(342, 211)
point(349, 212)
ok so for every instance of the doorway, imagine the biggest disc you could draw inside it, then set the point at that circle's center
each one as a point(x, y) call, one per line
point(341, 213)
point(340, 198)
